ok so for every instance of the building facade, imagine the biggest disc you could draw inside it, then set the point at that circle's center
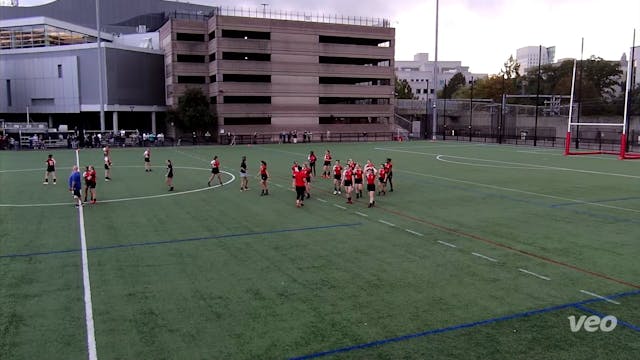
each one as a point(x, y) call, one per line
point(419, 74)
point(259, 70)
point(530, 56)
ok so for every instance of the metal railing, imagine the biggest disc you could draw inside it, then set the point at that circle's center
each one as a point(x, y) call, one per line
point(267, 13)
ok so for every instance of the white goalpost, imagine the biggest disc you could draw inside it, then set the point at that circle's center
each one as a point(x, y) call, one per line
point(617, 127)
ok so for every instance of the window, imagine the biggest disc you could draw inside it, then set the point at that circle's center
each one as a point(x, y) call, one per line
point(190, 58)
point(246, 78)
point(244, 34)
point(213, 100)
point(212, 78)
point(60, 71)
point(246, 56)
point(192, 80)
point(43, 102)
point(212, 57)
point(9, 102)
point(212, 35)
point(247, 99)
point(189, 37)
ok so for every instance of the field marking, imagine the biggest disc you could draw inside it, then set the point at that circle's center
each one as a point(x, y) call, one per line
point(278, 185)
point(468, 325)
point(441, 158)
point(534, 274)
point(180, 241)
point(518, 164)
point(22, 170)
point(387, 223)
point(600, 297)
point(340, 206)
point(176, 193)
point(413, 232)
point(484, 257)
point(495, 187)
point(321, 200)
point(447, 244)
point(88, 306)
point(361, 214)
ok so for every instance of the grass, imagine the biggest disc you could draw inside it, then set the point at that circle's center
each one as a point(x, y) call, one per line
point(215, 273)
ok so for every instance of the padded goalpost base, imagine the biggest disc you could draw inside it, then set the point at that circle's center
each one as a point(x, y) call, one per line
point(622, 154)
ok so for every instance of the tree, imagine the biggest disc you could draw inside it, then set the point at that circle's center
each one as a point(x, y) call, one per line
point(511, 68)
point(192, 113)
point(403, 89)
point(456, 82)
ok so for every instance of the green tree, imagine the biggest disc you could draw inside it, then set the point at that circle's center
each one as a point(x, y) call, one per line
point(456, 82)
point(403, 90)
point(511, 68)
point(193, 113)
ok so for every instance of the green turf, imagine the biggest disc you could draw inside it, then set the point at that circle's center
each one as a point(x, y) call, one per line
point(215, 273)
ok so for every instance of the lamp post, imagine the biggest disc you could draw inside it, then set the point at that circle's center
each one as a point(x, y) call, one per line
point(264, 9)
point(426, 104)
point(444, 112)
point(471, 108)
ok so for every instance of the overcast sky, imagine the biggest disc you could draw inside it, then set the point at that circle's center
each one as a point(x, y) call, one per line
point(483, 33)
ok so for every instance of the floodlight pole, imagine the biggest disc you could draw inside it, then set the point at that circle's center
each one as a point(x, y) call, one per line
point(471, 108)
point(535, 128)
point(579, 95)
point(435, 80)
point(624, 143)
point(100, 69)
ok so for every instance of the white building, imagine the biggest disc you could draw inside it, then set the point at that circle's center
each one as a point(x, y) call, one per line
point(528, 57)
point(419, 74)
point(8, 2)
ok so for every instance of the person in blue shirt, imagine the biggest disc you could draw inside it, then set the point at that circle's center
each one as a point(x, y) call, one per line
point(75, 185)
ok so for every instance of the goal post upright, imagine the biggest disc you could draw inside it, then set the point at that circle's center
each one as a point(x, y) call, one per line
point(567, 140)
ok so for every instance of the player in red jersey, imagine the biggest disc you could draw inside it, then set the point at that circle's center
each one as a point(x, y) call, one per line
point(312, 162)
point(300, 181)
point(215, 171)
point(327, 163)
point(308, 171)
point(347, 182)
point(337, 177)
point(90, 180)
point(51, 170)
point(369, 166)
point(294, 170)
point(382, 179)
point(389, 167)
point(358, 176)
point(264, 175)
point(371, 187)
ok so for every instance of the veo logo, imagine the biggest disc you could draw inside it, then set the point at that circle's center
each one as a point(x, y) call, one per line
point(593, 323)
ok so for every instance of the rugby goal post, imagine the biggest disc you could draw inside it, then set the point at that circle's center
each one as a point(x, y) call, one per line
point(617, 127)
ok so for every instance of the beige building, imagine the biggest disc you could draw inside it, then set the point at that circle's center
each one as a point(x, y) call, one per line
point(274, 72)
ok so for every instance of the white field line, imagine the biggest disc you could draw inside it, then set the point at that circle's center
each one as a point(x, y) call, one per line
point(447, 244)
point(361, 214)
point(484, 257)
point(534, 274)
point(278, 185)
point(88, 306)
point(413, 232)
point(387, 223)
point(442, 158)
point(521, 191)
point(321, 200)
point(518, 164)
point(340, 206)
point(599, 297)
point(137, 197)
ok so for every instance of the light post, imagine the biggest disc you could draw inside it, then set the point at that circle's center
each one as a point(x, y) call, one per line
point(471, 107)
point(264, 9)
point(444, 111)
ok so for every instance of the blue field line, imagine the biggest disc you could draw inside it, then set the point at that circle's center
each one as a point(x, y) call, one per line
point(538, 203)
point(177, 241)
point(461, 326)
point(596, 201)
point(601, 315)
